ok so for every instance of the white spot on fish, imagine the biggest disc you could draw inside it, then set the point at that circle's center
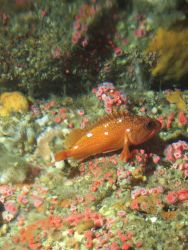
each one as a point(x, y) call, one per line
point(89, 134)
point(106, 133)
point(128, 129)
point(75, 147)
point(119, 120)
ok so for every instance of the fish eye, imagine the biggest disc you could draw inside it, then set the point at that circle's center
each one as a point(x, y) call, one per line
point(150, 125)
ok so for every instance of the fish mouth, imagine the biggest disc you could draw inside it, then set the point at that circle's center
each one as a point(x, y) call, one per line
point(152, 133)
point(158, 127)
point(156, 130)
point(148, 136)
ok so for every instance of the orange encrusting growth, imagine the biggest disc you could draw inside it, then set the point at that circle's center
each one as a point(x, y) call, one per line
point(112, 132)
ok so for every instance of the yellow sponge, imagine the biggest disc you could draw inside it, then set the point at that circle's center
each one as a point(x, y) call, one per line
point(13, 102)
point(171, 47)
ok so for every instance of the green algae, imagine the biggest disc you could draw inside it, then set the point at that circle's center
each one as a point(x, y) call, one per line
point(12, 167)
point(100, 185)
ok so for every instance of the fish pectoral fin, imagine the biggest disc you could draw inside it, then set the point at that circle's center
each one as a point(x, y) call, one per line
point(73, 137)
point(125, 154)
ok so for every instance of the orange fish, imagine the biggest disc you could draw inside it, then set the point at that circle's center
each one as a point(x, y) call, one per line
point(110, 133)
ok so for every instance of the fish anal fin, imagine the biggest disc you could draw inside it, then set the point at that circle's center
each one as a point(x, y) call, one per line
point(73, 137)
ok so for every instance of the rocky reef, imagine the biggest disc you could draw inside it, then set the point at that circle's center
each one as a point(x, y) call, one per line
point(102, 202)
point(63, 65)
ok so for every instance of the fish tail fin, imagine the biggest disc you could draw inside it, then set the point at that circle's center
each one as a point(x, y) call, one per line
point(61, 155)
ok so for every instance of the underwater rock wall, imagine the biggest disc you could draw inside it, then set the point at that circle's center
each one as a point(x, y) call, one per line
point(70, 47)
point(67, 67)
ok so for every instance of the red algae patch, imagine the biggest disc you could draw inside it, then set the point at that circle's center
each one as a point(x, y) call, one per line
point(31, 235)
point(35, 234)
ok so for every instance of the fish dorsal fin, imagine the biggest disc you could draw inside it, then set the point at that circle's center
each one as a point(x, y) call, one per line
point(107, 118)
point(73, 137)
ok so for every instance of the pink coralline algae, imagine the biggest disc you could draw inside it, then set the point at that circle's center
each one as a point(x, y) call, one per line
point(35, 109)
point(177, 196)
point(11, 207)
point(111, 97)
point(76, 218)
point(6, 191)
point(170, 120)
point(140, 30)
point(86, 12)
point(118, 51)
point(137, 167)
point(182, 119)
point(57, 53)
point(140, 158)
point(177, 154)
point(11, 210)
point(167, 120)
point(37, 201)
point(145, 191)
point(49, 105)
